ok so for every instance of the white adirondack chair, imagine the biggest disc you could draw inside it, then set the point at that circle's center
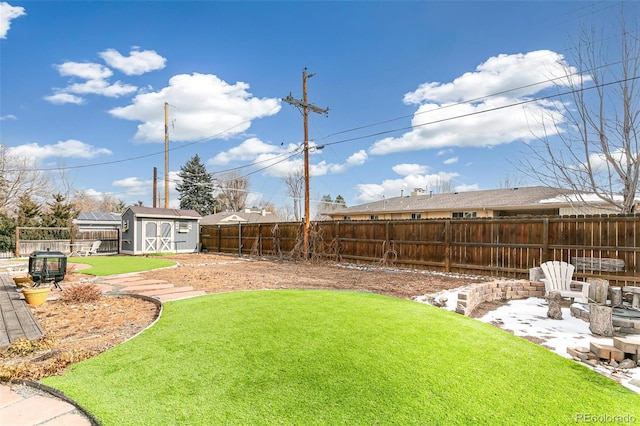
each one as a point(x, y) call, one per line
point(558, 276)
point(91, 250)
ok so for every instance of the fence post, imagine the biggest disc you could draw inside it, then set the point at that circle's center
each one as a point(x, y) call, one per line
point(447, 245)
point(17, 242)
point(545, 240)
point(386, 235)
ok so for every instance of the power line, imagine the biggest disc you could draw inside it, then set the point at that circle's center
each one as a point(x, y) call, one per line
point(527, 101)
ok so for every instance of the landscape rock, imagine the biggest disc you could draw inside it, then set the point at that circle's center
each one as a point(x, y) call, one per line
point(627, 363)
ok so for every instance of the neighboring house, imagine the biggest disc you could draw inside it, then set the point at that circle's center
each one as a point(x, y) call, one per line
point(154, 230)
point(246, 216)
point(96, 221)
point(524, 201)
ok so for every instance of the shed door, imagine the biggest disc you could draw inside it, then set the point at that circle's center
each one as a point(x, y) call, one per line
point(158, 236)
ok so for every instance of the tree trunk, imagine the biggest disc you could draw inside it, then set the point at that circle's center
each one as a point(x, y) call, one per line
point(598, 289)
point(616, 296)
point(555, 311)
point(600, 321)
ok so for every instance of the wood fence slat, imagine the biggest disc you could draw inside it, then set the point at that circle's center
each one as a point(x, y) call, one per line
point(494, 246)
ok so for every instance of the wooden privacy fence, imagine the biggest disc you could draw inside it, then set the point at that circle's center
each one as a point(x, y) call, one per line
point(30, 239)
point(506, 247)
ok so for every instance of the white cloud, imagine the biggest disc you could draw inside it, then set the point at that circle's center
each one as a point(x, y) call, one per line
point(279, 161)
point(357, 159)
point(137, 63)
point(394, 187)
point(96, 83)
point(8, 117)
point(101, 87)
point(451, 160)
point(132, 183)
point(253, 199)
point(64, 98)
point(84, 70)
point(246, 151)
point(481, 120)
point(133, 189)
point(410, 169)
point(202, 106)
point(7, 14)
point(63, 149)
point(529, 73)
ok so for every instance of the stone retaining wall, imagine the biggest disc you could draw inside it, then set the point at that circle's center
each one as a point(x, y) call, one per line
point(470, 298)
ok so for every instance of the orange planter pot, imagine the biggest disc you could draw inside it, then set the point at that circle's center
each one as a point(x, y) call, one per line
point(23, 282)
point(36, 296)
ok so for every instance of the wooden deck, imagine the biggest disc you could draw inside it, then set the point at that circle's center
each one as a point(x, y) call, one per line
point(16, 319)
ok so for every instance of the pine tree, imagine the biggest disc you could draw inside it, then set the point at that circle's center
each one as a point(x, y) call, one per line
point(28, 212)
point(61, 213)
point(196, 187)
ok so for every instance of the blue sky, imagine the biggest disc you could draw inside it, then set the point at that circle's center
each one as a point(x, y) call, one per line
point(84, 86)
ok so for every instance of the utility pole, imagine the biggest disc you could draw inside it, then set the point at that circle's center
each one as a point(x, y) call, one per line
point(166, 155)
point(305, 113)
point(155, 186)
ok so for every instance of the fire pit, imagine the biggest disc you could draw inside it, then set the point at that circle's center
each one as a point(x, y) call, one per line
point(47, 266)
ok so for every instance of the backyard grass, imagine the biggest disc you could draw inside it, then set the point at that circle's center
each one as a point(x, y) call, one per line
point(113, 265)
point(304, 357)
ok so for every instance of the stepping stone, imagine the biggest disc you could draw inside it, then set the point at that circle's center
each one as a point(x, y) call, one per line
point(136, 288)
point(166, 291)
point(183, 295)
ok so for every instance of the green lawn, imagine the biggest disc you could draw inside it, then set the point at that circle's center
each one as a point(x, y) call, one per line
point(114, 265)
point(299, 357)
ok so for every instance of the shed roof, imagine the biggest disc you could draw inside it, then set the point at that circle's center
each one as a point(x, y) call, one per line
point(164, 213)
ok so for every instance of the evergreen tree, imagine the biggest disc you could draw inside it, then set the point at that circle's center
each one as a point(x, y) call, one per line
point(340, 202)
point(28, 215)
point(28, 212)
point(7, 233)
point(196, 188)
point(61, 213)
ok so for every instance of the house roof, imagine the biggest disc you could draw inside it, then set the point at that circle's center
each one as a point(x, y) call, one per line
point(503, 199)
point(164, 213)
point(226, 218)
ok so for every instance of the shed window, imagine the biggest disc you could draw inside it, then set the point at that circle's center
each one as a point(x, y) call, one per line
point(183, 226)
point(373, 217)
point(416, 215)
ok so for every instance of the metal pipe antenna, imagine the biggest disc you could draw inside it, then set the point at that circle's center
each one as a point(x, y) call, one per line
point(306, 107)
point(166, 155)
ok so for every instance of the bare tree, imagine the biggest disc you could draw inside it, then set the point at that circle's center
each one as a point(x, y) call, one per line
point(593, 148)
point(234, 189)
point(442, 185)
point(294, 182)
point(511, 181)
point(105, 202)
point(19, 177)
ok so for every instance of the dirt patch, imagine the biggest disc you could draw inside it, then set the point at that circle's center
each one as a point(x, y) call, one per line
point(76, 331)
point(217, 273)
